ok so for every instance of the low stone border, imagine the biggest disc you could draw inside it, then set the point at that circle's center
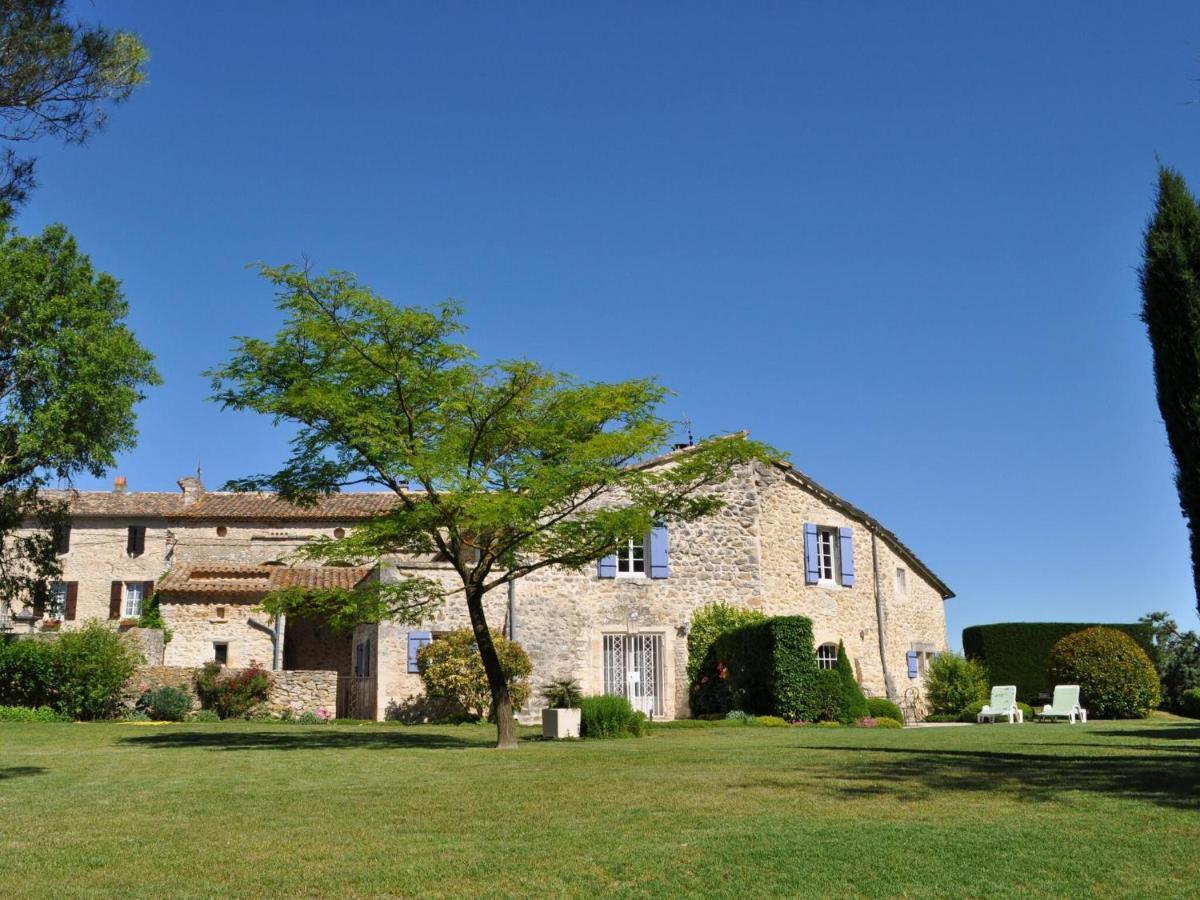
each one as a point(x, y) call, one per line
point(292, 692)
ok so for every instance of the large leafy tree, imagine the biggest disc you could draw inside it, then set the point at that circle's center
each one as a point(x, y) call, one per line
point(501, 468)
point(1170, 280)
point(56, 77)
point(70, 374)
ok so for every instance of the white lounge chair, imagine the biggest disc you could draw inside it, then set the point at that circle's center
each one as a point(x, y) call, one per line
point(1003, 703)
point(1065, 705)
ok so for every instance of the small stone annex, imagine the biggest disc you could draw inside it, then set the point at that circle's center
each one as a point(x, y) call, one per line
point(781, 544)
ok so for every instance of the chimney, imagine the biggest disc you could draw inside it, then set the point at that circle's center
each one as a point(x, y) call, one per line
point(193, 489)
point(119, 486)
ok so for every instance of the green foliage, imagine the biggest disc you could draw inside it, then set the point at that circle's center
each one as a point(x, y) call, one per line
point(1178, 657)
point(452, 668)
point(708, 624)
point(27, 672)
point(882, 708)
point(502, 468)
point(887, 722)
point(57, 77)
point(72, 372)
point(826, 700)
point(610, 716)
point(954, 683)
point(308, 717)
point(91, 667)
point(564, 693)
point(971, 712)
point(856, 702)
point(733, 714)
point(1115, 676)
point(1170, 281)
point(1189, 703)
point(152, 618)
point(1026, 711)
point(166, 704)
point(234, 695)
point(27, 714)
point(205, 715)
point(1016, 652)
point(767, 722)
point(766, 667)
point(943, 717)
point(828, 724)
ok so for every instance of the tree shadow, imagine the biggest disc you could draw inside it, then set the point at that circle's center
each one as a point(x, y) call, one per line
point(1168, 732)
point(325, 738)
point(21, 771)
point(1168, 780)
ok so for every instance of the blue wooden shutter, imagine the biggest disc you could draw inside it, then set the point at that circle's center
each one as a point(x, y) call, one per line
point(416, 640)
point(847, 547)
point(912, 663)
point(659, 563)
point(607, 567)
point(810, 553)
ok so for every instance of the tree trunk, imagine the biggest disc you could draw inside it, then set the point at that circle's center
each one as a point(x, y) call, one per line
point(502, 708)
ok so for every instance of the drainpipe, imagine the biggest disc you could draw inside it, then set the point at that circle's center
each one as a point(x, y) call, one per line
point(277, 656)
point(512, 611)
point(881, 622)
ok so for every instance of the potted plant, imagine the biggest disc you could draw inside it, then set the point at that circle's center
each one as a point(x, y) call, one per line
point(561, 719)
point(51, 624)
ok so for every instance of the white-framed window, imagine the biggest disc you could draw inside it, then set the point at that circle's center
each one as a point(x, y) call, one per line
point(133, 599)
point(828, 567)
point(901, 581)
point(631, 559)
point(56, 608)
point(827, 656)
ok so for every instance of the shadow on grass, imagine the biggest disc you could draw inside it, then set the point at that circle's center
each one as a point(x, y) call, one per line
point(21, 771)
point(1168, 732)
point(918, 774)
point(328, 738)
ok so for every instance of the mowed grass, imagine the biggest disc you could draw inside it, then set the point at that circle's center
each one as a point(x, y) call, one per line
point(242, 809)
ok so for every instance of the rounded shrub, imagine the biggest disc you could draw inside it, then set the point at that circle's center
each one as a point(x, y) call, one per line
point(205, 715)
point(452, 668)
point(769, 722)
point(1189, 703)
point(826, 699)
point(882, 708)
point(166, 704)
point(1116, 678)
point(1026, 711)
point(91, 667)
point(610, 716)
point(953, 683)
point(236, 695)
point(971, 713)
point(27, 675)
point(884, 722)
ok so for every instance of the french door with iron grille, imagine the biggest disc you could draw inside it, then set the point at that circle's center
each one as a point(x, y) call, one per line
point(633, 668)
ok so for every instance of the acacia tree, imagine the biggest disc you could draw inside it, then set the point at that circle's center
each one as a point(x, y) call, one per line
point(55, 77)
point(71, 372)
point(1170, 281)
point(501, 468)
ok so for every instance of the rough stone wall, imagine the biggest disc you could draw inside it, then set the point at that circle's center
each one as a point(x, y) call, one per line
point(243, 541)
point(844, 613)
point(197, 627)
point(291, 692)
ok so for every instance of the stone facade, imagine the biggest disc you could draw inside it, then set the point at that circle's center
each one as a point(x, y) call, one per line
point(604, 632)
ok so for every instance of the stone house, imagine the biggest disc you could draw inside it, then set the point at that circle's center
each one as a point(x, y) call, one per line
point(781, 544)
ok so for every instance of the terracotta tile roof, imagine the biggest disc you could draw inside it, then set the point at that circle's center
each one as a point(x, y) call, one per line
point(227, 506)
point(251, 581)
point(348, 506)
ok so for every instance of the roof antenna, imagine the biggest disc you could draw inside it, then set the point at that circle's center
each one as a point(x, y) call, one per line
point(686, 424)
point(198, 469)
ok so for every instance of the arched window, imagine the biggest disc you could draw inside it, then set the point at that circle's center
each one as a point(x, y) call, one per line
point(827, 656)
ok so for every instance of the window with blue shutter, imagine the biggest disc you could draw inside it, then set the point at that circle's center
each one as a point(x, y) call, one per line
point(659, 552)
point(810, 553)
point(846, 539)
point(607, 567)
point(416, 640)
point(912, 663)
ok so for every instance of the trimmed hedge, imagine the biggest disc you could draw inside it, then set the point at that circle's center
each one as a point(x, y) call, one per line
point(763, 668)
point(856, 701)
point(709, 623)
point(1017, 652)
point(1115, 676)
point(882, 708)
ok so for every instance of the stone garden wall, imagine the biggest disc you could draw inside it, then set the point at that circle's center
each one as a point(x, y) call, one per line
point(297, 692)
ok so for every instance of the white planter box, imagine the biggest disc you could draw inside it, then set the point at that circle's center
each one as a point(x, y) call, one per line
point(560, 723)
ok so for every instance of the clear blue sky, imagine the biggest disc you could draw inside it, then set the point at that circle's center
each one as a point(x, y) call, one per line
point(899, 243)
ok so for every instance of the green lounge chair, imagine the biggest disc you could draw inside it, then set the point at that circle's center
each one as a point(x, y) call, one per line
point(1065, 705)
point(1003, 703)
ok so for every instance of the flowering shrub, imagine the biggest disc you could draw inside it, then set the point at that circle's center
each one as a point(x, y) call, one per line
point(451, 667)
point(233, 696)
point(867, 722)
point(1115, 676)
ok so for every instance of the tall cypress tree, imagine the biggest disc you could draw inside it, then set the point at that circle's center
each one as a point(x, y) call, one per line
point(1170, 279)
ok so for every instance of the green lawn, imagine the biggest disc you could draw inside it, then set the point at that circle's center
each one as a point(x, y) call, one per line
point(257, 810)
